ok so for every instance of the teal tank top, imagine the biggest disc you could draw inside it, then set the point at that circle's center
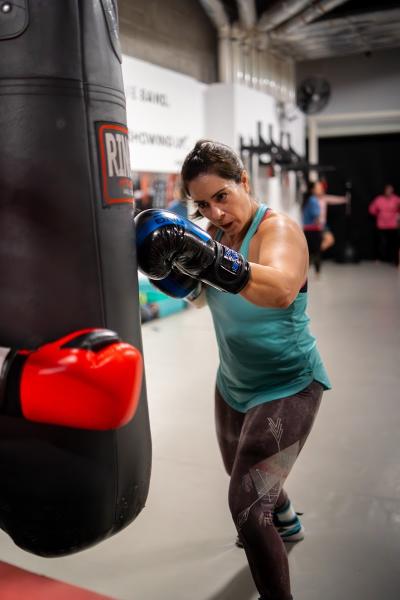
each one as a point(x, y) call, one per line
point(265, 353)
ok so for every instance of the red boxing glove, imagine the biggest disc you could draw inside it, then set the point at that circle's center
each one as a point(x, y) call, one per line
point(88, 379)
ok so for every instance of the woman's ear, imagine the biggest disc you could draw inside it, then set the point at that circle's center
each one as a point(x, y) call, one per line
point(245, 181)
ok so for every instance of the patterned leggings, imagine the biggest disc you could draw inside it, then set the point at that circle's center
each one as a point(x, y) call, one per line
point(259, 449)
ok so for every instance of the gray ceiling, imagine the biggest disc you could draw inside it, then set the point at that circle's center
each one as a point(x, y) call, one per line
point(312, 29)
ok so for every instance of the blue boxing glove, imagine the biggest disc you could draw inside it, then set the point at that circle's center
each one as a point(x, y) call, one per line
point(178, 285)
point(165, 240)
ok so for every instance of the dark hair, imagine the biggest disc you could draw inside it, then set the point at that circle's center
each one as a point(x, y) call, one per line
point(307, 195)
point(211, 157)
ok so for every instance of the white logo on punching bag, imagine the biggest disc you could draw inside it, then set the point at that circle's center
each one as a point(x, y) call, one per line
point(115, 167)
point(117, 150)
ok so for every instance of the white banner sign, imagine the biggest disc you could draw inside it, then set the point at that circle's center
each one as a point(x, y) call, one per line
point(165, 115)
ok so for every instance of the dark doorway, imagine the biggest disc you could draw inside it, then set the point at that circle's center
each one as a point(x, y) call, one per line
point(367, 162)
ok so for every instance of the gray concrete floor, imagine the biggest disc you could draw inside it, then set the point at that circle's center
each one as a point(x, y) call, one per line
point(347, 479)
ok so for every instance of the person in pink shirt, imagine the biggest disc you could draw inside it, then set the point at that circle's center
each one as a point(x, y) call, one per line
point(386, 209)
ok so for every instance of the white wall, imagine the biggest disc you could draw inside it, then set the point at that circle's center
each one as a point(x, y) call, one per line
point(295, 125)
point(359, 85)
point(232, 111)
point(219, 114)
point(165, 112)
point(168, 112)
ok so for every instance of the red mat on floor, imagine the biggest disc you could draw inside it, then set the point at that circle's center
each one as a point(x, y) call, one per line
point(17, 584)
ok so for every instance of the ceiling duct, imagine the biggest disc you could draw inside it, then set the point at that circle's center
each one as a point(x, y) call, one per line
point(242, 49)
point(280, 12)
point(247, 13)
point(216, 12)
point(308, 15)
point(358, 33)
point(377, 22)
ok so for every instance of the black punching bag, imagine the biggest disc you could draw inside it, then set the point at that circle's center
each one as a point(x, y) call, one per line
point(67, 262)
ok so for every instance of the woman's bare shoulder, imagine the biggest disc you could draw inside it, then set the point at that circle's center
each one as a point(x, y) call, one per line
point(275, 221)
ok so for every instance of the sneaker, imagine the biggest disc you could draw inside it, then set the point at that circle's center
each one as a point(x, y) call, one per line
point(290, 531)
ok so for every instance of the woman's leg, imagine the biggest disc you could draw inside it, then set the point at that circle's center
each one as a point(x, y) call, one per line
point(393, 246)
point(314, 248)
point(271, 438)
point(317, 260)
point(228, 425)
point(383, 245)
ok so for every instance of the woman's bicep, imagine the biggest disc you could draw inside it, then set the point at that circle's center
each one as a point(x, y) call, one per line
point(281, 266)
point(284, 247)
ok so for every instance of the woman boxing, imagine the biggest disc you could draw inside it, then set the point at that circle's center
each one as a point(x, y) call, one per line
point(270, 378)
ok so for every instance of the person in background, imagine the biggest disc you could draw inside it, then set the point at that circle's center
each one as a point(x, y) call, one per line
point(386, 209)
point(319, 189)
point(325, 199)
point(324, 184)
point(312, 226)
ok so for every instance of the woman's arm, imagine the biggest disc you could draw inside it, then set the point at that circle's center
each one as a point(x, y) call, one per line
point(330, 199)
point(282, 265)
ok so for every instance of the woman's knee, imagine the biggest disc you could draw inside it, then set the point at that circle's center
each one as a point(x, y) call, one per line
point(252, 522)
point(245, 507)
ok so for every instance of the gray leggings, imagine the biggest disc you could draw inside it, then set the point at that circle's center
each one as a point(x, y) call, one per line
point(259, 449)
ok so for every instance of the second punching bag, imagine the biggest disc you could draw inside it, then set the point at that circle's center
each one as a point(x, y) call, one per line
point(67, 263)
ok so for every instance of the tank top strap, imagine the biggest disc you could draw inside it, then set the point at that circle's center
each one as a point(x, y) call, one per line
point(258, 217)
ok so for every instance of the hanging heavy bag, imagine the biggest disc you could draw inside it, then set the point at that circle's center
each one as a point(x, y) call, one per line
point(68, 278)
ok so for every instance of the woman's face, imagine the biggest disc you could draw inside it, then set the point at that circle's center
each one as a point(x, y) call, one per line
point(318, 189)
point(388, 190)
point(225, 203)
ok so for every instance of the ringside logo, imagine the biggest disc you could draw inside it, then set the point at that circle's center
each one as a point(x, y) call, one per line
point(115, 167)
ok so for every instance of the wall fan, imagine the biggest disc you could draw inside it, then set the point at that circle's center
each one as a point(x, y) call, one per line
point(312, 95)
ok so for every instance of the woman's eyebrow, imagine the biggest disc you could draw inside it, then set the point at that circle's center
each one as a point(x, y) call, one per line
point(213, 196)
point(219, 191)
